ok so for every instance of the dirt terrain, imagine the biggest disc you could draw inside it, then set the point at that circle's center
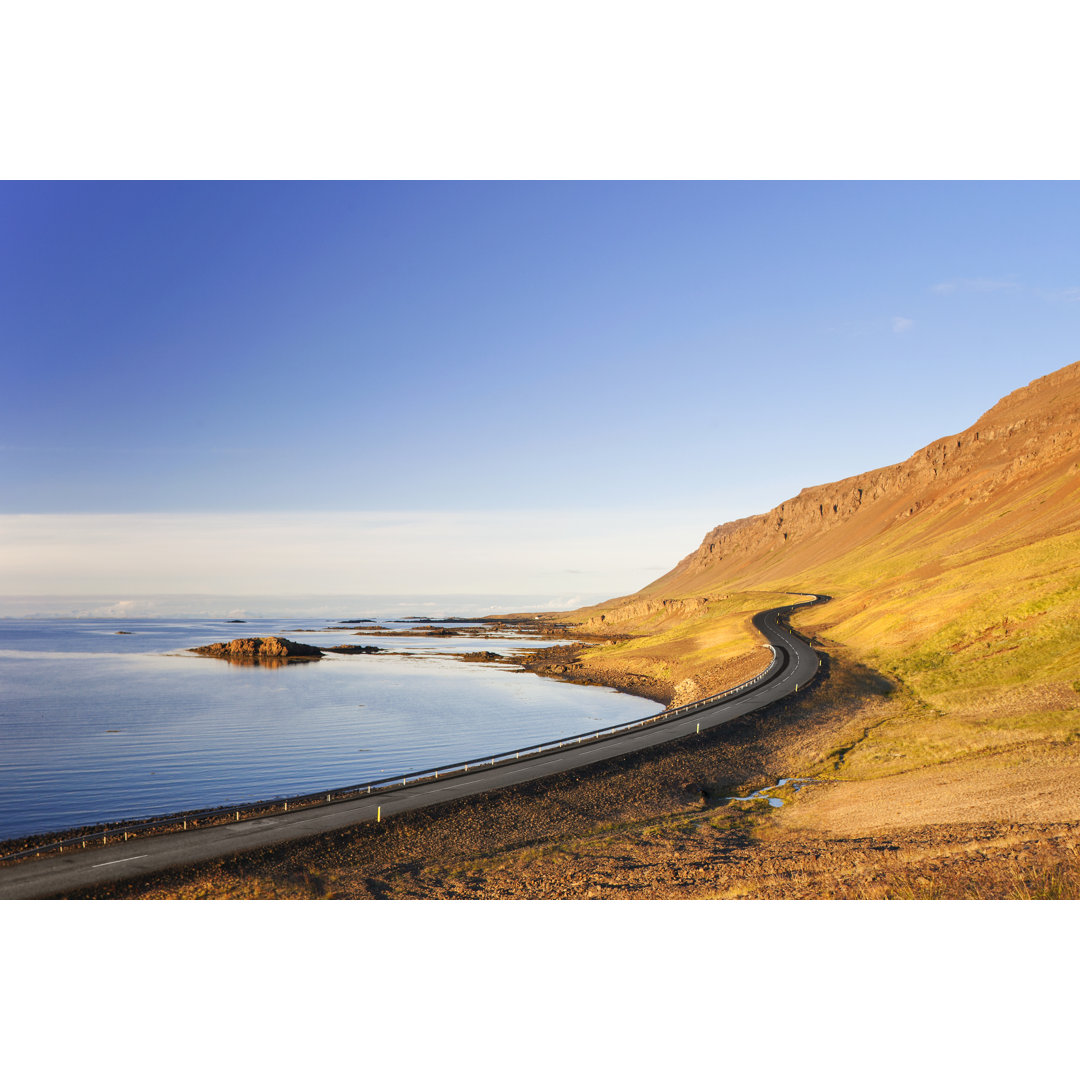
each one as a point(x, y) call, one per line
point(659, 825)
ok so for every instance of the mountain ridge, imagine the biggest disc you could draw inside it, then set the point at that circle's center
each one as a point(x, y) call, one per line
point(1027, 435)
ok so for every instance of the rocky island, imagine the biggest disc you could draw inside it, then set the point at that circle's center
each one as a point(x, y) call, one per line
point(268, 650)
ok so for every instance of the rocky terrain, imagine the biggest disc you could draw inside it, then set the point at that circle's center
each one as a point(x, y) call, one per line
point(259, 650)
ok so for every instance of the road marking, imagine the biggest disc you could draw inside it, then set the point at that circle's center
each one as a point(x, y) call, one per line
point(130, 858)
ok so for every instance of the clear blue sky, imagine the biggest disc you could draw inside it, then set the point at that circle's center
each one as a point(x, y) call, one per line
point(263, 348)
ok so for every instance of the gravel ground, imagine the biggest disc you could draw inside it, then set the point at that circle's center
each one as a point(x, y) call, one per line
point(657, 825)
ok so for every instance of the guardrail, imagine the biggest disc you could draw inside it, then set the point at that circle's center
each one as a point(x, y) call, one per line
point(269, 807)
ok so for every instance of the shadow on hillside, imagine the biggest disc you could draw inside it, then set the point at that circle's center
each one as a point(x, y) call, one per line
point(850, 678)
point(793, 737)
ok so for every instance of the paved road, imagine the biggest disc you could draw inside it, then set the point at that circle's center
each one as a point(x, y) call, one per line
point(49, 876)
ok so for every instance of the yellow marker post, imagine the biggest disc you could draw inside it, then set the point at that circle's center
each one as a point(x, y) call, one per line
point(378, 814)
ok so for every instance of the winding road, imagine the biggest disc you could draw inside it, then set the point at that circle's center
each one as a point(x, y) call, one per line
point(795, 664)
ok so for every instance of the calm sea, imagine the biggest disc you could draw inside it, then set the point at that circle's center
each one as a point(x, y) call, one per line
point(98, 726)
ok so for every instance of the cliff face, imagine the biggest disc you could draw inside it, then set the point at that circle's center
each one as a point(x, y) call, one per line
point(1030, 438)
point(635, 611)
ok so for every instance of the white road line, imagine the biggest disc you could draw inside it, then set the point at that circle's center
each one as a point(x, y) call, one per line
point(131, 858)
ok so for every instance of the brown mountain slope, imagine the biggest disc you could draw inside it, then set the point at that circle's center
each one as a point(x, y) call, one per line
point(1022, 457)
point(956, 574)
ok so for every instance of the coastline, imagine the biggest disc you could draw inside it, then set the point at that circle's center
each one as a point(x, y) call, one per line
point(655, 824)
point(660, 824)
point(610, 659)
point(536, 660)
point(455, 724)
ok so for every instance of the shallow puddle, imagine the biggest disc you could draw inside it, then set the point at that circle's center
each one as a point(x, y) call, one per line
point(796, 783)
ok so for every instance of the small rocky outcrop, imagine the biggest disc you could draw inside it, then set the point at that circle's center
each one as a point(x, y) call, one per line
point(366, 649)
point(685, 692)
point(260, 650)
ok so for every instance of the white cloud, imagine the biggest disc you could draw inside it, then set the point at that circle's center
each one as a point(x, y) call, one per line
point(335, 606)
point(977, 285)
point(900, 324)
point(265, 555)
point(1069, 296)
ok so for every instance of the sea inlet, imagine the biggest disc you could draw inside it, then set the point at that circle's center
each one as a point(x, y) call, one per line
point(106, 720)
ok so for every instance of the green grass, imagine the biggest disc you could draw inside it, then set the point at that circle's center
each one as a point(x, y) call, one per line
point(972, 609)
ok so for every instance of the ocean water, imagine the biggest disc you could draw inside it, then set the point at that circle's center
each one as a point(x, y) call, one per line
point(98, 726)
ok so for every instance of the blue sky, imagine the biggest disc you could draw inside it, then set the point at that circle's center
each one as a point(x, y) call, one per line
point(667, 355)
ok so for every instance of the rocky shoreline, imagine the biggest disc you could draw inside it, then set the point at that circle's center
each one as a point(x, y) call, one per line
point(564, 662)
point(658, 824)
point(276, 651)
point(655, 824)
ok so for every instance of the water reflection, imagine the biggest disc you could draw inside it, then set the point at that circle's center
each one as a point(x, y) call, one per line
point(97, 727)
point(796, 783)
point(241, 660)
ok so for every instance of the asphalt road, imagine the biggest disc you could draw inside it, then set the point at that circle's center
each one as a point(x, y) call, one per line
point(54, 875)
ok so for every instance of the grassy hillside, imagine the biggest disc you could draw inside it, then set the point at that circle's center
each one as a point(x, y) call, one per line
point(955, 574)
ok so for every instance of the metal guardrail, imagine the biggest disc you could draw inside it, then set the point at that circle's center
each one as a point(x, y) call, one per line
point(268, 807)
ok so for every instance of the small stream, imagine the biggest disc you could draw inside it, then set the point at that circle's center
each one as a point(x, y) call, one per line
point(796, 783)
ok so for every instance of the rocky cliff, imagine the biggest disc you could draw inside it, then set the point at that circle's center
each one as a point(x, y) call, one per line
point(1027, 439)
point(636, 610)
